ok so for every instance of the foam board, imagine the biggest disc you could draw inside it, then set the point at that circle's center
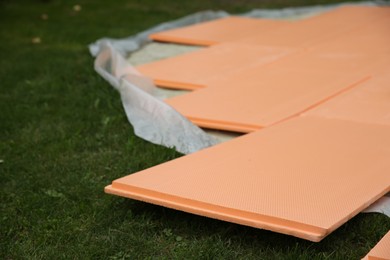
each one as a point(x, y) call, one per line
point(301, 33)
point(305, 177)
point(192, 71)
point(318, 154)
point(218, 31)
point(368, 103)
point(320, 28)
point(261, 96)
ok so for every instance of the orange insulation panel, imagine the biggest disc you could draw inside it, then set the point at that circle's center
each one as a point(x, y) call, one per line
point(315, 97)
point(264, 95)
point(218, 31)
point(368, 103)
point(192, 71)
point(321, 28)
point(305, 177)
point(300, 33)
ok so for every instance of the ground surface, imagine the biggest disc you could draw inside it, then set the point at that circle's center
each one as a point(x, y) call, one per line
point(64, 136)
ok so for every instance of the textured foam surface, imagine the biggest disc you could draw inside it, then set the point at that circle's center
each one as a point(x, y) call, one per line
point(305, 177)
point(193, 70)
point(302, 33)
point(366, 27)
point(322, 154)
point(245, 87)
point(261, 96)
point(218, 31)
point(320, 28)
point(371, 38)
point(368, 103)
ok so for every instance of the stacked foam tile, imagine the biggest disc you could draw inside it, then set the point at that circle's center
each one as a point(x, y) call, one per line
point(314, 96)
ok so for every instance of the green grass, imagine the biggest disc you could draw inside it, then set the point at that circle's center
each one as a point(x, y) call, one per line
point(64, 137)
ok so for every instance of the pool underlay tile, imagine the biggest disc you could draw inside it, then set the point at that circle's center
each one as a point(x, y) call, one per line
point(304, 177)
point(218, 31)
point(319, 115)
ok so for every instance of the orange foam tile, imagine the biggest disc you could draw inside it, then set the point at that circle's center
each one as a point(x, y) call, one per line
point(381, 251)
point(320, 28)
point(262, 96)
point(217, 31)
point(372, 38)
point(192, 70)
point(368, 103)
point(370, 34)
point(304, 177)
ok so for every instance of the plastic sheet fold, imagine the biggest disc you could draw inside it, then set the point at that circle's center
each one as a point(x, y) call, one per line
point(152, 118)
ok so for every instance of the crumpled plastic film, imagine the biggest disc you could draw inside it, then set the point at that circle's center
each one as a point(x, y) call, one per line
point(132, 43)
point(380, 206)
point(152, 119)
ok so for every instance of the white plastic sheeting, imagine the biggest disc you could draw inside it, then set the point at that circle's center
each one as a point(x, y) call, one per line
point(380, 206)
point(154, 120)
point(133, 43)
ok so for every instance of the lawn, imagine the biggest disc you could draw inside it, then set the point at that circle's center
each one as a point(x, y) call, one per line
point(64, 136)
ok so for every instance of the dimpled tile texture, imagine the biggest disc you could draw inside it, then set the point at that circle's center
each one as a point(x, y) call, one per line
point(320, 118)
point(193, 70)
point(181, 71)
point(368, 103)
point(259, 97)
point(246, 87)
point(318, 29)
point(218, 31)
point(304, 177)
